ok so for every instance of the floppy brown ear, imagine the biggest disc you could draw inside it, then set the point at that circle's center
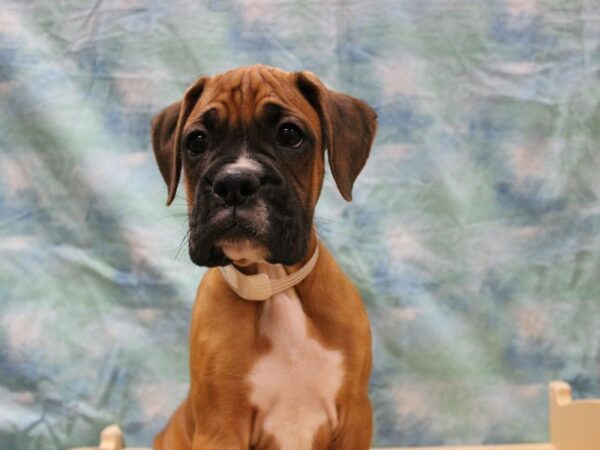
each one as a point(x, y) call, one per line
point(349, 127)
point(166, 130)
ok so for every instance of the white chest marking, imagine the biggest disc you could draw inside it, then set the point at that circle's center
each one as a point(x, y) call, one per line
point(294, 386)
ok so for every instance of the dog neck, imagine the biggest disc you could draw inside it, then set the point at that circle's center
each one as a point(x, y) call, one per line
point(257, 280)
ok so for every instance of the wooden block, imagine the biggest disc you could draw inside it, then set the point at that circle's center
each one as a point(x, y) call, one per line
point(574, 425)
point(111, 438)
point(481, 447)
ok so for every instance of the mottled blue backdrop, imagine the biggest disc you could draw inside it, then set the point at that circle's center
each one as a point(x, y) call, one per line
point(473, 234)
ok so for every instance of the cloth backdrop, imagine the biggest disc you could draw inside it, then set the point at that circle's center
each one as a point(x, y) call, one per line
point(473, 234)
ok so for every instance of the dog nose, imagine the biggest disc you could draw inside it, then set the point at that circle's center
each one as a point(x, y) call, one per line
point(235, 186)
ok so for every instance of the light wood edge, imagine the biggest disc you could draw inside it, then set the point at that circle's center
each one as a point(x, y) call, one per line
point(479, 447)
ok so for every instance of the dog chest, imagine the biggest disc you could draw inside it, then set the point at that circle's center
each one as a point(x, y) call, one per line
point(295, 384)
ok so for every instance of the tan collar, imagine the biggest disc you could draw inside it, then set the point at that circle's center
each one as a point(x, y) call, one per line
point(260, 287)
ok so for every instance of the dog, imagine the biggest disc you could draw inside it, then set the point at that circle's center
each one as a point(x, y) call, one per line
point(280, 343)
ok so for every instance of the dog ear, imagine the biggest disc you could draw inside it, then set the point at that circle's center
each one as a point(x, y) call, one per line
point(166, 130)
point(349, 127)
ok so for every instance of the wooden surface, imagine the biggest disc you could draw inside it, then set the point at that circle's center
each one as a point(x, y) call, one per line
point(574, 425)
point(480, 447)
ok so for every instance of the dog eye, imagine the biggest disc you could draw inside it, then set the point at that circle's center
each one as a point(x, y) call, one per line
point(290, 135)
point(196, 142)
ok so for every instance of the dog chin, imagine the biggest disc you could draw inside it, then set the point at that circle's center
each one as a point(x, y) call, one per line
point(243, 251)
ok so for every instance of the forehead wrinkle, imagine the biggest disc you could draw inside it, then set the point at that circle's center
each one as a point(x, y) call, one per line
point(254, 87)
point(263, 103)
point(204, 106)
point(273, 77)
point(291, 105)
point(222, 109)
point(210, 116)
point(225, 89)
point(283, 110)
point(253, 81)
point(226, 99)
point(241, 95)
point(233, 77)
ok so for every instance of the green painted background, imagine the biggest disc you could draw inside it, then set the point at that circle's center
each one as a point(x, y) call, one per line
point(473, 234)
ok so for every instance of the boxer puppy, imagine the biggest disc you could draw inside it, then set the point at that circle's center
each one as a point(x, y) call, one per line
point(280, 345)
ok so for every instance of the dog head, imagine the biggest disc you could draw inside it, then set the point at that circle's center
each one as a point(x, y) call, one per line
point(251, 143)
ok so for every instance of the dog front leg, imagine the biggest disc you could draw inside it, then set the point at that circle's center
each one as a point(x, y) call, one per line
point(203, 441)
point(356, 428)
point(178, 433)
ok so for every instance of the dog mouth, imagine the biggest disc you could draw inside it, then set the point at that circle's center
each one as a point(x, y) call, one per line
point(243, 251)
point(235, 230)
point(241, 244)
